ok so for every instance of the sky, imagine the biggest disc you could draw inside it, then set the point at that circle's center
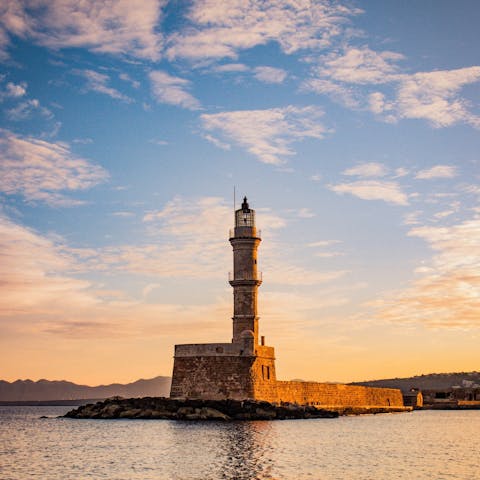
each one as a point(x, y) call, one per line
point(352, 127)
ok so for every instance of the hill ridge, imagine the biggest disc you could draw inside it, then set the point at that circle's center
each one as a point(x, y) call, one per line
point(41, 390)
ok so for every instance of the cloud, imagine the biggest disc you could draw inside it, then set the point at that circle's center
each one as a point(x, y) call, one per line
point(231, 67)
point(438, 171)
point(190, 241)
point(26, 109)
point(34, 273)
point(434, 96)
point(221, 30)
point(14, 90)
point(401, 172)
point(116, 27)
point(172, 90)
point(339, 93)
point(371, 169)
point(217, 142)
point(270, 74)
point(412, 218)
point(359, 66)
point(348, 76)
point(447, 292)
point(305, 213)
point(126, 78)
point(97, 82)
point(267, 134)
point(123, 214)
point(387, 191)
point(39, 291)
point(40, 171)
point(322, 243)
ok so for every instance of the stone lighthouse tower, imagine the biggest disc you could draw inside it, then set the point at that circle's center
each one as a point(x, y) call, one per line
point(245, 279)
point(244, 368)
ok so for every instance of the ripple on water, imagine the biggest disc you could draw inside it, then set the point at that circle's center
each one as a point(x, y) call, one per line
point(420, 445)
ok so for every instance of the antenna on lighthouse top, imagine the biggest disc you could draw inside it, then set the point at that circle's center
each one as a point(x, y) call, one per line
point(234, 205)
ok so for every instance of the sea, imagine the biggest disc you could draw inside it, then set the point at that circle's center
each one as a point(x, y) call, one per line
point(429, 444)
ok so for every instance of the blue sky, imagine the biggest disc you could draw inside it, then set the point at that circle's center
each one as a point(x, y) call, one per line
point(353, 128)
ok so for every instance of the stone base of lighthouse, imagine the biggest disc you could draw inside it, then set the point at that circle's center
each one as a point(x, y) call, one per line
point(218, 371)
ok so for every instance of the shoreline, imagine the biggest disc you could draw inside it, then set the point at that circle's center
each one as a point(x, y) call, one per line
point(226, 410)
point(162, 408)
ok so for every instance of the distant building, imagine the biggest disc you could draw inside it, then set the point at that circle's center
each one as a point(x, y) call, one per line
point(454, 397)
point(245, 367)
point(413, 398)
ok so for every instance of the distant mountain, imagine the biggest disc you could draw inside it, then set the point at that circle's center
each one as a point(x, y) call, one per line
point(27, 390)
point(433, 381)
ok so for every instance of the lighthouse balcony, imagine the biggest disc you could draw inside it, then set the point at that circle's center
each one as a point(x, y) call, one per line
point(254, 279)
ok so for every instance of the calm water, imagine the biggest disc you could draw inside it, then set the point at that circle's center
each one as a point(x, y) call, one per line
point(420, 445)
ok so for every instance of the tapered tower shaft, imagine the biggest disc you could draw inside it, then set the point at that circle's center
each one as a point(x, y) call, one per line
point(245, 239)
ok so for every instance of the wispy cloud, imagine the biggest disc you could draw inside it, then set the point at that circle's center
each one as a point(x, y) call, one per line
point(26, 109)
point(387, 191)
point(218, 143)
point(267, 134)
point(322, 243)
point(188, 243)
point(447, 292)
point(231, 67)
point(121, 27)
point(437, 171)
point(340, 93)
point(371, 169)
point(38, 285)
point(34, 273)
point(434, 96)
point(348, 76)
point(359, 65)
point(412, 218)
point(40, 171)
point(270, 74)
point(14, 90)
point(126, 78)
point(98, 82)
point(172, 90)
point(219, 30)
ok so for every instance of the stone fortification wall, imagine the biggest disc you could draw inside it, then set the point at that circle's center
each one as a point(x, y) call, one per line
point(264, 375)
point(224, 370)
point(338, 395)
point(213, 377)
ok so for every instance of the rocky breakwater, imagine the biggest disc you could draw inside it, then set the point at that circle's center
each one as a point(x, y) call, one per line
point(190, 409)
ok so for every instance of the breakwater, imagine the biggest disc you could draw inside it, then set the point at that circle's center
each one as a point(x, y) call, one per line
point(191, 409)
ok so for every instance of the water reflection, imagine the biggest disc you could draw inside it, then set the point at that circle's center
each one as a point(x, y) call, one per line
point(236, 450)
point(246, 448)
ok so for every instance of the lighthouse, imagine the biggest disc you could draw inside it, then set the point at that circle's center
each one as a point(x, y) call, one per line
point(245, 239)
point(245, 367)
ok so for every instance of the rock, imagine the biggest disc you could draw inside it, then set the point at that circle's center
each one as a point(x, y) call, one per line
point(265, 414)
point(214, 414)
point(111, 411)
point(184, 411)
point(195, 409)
point(132, 413)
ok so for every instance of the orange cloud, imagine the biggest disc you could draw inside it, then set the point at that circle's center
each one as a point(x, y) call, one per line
point(448, 292)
